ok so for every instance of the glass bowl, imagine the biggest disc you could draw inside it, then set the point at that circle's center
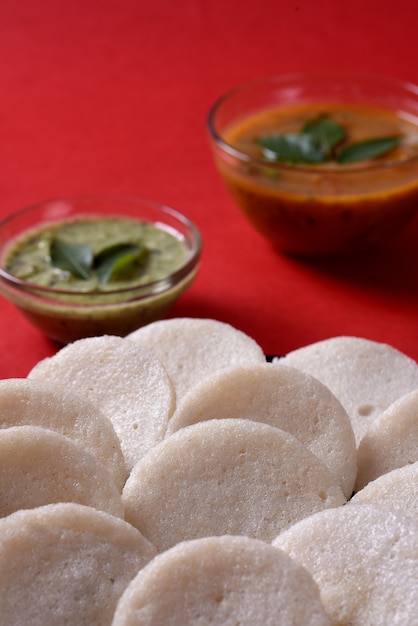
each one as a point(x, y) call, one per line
point(66, 314)
point(319, 208)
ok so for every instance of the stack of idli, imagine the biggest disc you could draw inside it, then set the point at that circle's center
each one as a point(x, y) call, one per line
point(191, 348)
point(127, 384)
point(364, 559)
point(221, 580)
point(66, 563)
point(391, 442)
point(366, 376)
point(176, 477)
point(280, 396)
point(226, 476)
point(25, 402)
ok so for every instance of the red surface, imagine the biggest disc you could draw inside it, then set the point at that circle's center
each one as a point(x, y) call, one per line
point(111, 96)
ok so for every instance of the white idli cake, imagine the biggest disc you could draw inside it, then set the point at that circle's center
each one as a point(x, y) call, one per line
point(281, 396)
point(364, 558)
point(30, 402)
point(366, 376)
point(391, 440)
point(125, 381)
point(66, 564)
point(397, 488)
point(231, 476)
point(192, 348)
point(221, 581)
point(39, 466)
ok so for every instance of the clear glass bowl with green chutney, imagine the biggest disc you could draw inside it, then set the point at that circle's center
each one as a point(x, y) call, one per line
point(94, 265)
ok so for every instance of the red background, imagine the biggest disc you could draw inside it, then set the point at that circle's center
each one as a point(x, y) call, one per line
point(111, 96)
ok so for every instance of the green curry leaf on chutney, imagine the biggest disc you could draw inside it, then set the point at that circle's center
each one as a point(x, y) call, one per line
point(76, 258)
point(96, 254)
point(120, 262)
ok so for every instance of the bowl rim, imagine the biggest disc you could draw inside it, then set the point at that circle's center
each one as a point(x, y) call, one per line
point(148, 289)
point(343, 77)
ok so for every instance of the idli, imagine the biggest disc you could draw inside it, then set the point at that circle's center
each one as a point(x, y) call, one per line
point(192, 348)
point(221, 581)
point(226, 477)
point(125, 381)
point(281, 396)
point(397, 488)
point(364, 558)
point(30, 402)
point(39, 466)
point(366, 376)
point(66, 564)
point(391, 440)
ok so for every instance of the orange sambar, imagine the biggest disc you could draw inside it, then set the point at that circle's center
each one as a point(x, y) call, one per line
point(328, 208)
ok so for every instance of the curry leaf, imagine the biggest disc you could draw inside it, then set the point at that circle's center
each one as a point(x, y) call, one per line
point(292, 148)
point(76, 258)
point(368, 149)
point(325, 133)
point(120, 261)
point(319, 141)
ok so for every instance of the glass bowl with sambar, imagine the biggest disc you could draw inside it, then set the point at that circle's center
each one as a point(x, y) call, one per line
point(320, 163)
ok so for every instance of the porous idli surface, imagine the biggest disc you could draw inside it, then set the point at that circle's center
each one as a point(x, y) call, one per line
point(397, 488)
point(125, 381)
point(193, 348)
point(39, 466)
point(364, 558)
point(221, 581)
point(66, 564)
point(390, 442)
point(226, 477)
point(30, 402)
point(366, 376)
point(281, 396)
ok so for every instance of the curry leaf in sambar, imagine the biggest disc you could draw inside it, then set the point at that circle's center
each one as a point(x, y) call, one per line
point(368, 149)
point(323, 140)
point(292, 148)
point(325, 132)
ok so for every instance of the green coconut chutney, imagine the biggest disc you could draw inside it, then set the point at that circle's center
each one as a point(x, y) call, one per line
point(142, 253)
point(110, 275)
